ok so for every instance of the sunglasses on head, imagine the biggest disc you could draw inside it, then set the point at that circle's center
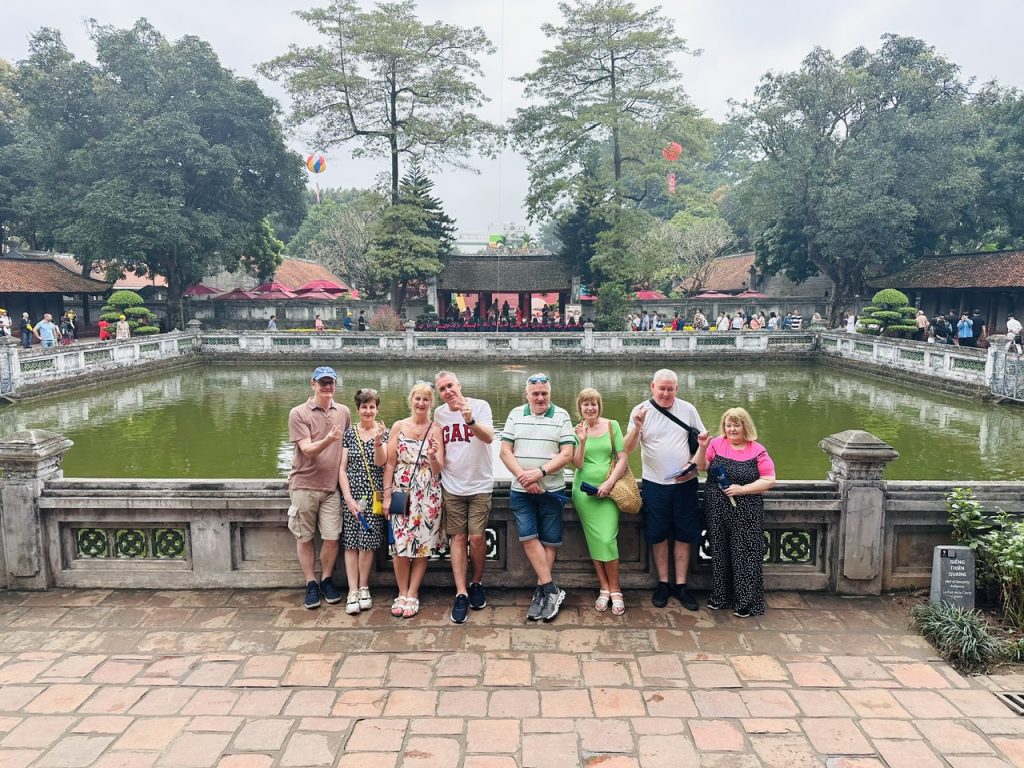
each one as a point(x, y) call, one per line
point(428, 384)
point(538, 379)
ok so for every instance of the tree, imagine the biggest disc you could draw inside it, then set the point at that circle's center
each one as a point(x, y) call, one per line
point(577, 229)
point(889, 314)
point(860, 163)
point(388, 82)
point(263, 254)
point(637, 251)
point(611, 308)
point(999, 214)
point(412, 237)
point(699, 246)
point(130, 305)
point(608, 96)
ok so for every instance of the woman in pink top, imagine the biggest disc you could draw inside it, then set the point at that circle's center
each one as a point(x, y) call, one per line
point(739, 472)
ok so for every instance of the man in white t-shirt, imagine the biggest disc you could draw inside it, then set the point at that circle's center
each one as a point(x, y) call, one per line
point(467, 429)
point(671, 509)
point(1013, 328)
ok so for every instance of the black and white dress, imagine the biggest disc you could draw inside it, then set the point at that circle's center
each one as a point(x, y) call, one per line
point(360, 457)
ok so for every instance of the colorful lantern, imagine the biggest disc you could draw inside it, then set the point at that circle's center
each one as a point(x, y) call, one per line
point(316, 163)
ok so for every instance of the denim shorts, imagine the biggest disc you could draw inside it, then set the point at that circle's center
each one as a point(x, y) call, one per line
point(672, 512)
point(538, 516)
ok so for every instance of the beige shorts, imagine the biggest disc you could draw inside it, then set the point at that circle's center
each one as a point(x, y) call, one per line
point(464, 514)
point(311, 510)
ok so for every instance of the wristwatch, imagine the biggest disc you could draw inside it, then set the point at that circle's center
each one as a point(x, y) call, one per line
point(471, 422)
point(543, 472)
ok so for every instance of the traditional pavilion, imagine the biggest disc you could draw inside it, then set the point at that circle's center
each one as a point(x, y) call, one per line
point(490, 273)
point(36, 283)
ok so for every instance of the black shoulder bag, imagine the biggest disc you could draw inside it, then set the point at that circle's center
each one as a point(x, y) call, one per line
point(400, 499)
point(691, 433)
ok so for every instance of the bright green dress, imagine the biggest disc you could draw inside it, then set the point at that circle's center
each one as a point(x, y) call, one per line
point(600, 517)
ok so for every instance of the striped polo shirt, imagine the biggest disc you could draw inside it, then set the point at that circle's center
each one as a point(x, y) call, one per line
point(535, 439)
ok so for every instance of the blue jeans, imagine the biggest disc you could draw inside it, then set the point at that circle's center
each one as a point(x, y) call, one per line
point(26, 339)
point(538, 516)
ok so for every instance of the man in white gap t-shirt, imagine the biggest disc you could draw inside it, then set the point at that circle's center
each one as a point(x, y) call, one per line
point(467, 429)
point(671, 509)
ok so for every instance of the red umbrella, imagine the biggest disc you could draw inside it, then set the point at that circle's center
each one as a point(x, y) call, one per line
point(275, 295)
point(236, 294)
point(317, 296)
point(650, 295)
point(201, 290)
point(713, 295)
point(272, 287)
point(326, 286)
point(749, 294)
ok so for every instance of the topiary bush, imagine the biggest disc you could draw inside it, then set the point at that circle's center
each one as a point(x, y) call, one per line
point(889, 314)
point(131, 305)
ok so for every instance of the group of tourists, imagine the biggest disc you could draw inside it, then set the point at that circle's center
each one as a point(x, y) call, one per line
point(427, 481)
point(965, 329)
point(46, 332)
point(738, 321)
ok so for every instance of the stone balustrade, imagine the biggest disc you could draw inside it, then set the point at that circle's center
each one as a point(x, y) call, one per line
point(851, 533)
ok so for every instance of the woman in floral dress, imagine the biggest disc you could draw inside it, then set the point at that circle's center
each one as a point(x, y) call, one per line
point(414, 464)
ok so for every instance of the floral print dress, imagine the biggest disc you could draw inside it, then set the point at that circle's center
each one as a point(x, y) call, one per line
point(417, 533)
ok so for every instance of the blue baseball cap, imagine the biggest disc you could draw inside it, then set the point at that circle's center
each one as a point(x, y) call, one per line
point(324, 372)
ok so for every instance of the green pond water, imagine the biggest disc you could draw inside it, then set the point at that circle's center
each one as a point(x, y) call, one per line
point(223, 420)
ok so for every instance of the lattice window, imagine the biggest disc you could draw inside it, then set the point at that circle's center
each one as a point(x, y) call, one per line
point(491, 548)
point(37, 365)
point(912, 354)
point(97, 356)
point(566, 343)
point(962, 364)
point(184, 345)
point(150, 349)
point(499, 344)
point(359, 342)
point(864, 349)
point(222, 341)
point(788, 338)
point(289, 341)
point(432, 343)
point(131, 543)
point(716, 341)
point(790, 547)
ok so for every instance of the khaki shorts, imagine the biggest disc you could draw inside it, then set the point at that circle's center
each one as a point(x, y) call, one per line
point(311, 510)
point(464, 514)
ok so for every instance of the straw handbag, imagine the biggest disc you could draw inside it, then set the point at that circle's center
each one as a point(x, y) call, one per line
point(624, 493)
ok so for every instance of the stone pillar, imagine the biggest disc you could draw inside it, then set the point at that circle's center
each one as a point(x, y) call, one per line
point(995, 360)
point(28, 459)
point(410, 336)
point(856, 556)
point(588, 338)
point(10, 366)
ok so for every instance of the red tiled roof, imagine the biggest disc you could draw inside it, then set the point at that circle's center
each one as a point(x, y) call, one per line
point(960, 270)
point(295, 273)
point(729, 273)
point(36, 274)
point(129, 281)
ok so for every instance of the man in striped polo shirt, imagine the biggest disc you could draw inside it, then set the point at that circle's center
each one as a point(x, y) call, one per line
point(537, 442)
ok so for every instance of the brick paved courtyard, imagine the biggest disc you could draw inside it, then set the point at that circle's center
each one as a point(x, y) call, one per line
point(249, 679)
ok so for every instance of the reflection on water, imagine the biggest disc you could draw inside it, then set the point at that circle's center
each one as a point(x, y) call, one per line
point(230, 421)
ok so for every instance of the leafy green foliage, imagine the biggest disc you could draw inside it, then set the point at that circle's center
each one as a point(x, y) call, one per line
point(961, 637)
point(131, 305)
point(889, 315)
point(611, 308)
point(966, 514)
point(388, 82)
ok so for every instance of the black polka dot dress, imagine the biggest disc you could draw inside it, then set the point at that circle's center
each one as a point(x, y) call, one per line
point(353, 535)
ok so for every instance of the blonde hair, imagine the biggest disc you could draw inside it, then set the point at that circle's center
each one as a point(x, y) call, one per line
point(740, 415)
point(421, 388)
point(589, 393)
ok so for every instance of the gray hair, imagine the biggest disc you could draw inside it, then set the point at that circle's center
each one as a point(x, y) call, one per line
point(666, 373)
point(441, 374)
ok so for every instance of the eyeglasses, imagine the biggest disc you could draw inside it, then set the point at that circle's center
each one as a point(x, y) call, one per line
point(326, 382)
point(539, 378)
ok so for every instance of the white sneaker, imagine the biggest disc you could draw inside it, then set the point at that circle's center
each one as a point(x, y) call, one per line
point(365, 601)
point(352, 603)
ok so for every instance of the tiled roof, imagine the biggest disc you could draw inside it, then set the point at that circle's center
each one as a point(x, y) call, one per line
point(41, 274)
point(494, 271)
point(129, 281)
point(295, 273)
point(960, 270)
point(730, 273)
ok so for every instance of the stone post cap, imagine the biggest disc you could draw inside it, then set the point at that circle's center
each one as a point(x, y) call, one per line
point(31, 446)
point(588, 326)
point(10, 341)
point(858, 446)
point(410, 325)
point(194, 325)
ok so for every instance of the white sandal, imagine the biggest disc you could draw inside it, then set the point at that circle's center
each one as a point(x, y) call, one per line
point(618, 604)
point(398, 607)
point(603, 598)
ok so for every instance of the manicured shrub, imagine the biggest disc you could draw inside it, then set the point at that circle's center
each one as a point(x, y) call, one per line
point(961, 637)
point(129, 304)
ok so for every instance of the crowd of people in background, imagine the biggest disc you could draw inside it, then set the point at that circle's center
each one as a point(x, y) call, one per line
point(740, 320)
point(426, 482)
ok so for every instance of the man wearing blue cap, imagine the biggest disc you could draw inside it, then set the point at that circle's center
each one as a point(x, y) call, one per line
point(315, 429)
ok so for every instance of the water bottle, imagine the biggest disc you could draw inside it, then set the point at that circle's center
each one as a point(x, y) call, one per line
point(722, 479)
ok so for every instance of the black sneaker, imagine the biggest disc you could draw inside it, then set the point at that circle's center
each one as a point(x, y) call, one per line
point(533, 612)
point(331, 592)
point(461, 609)
point(684, 596)
point(714, 605)
point(312, 595)
point(477, 596)
point(743, 613)
point(660, 597)
point(551, 602)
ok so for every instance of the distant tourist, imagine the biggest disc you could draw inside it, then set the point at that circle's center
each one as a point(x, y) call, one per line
point(363, 456)
point(122, 331)
point(318, 324)
point(662, 427)
point(645, 321)
point(361, 324)
point(978, 329)
point(965, 331)
point(738, 321)
point(773, 321)
point(26, 330)
point(536, 444)
point(1013, 328)
point(851, 322)
point(315, 429)
point(796, 322)
point(5, 323)
point(739, 472)
point(921, 321)
point(104, 328)
point(700, 323)
point(272, 323)
point(67, 328)
point(467, 431)
point(46, 331)
point(415, 461)
point(756, 323)
point(346, 322)
point(724, 323)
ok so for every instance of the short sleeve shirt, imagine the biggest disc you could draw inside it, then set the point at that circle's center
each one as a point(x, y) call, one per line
point(468, 461)
point(309, 420)
point(719, 446)
point(535, 439)
point(663, 444)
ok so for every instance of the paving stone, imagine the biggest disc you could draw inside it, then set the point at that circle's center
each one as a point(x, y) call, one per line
point(788, 751)
point(669, 703)
point(606, 673)
point(8, 723)
point(769, 702)
point(888, 729)
point(874, 703)
point(18, 758)
point(617, 702)
point(212, 702)
point(815, 675)
point(246, 761)
point(215, 723)
point(948, 737)
point(566, 703)
point(712, 675)
point(605, 736)
point(720, 704)
point(115, 672)
point(310, 703)
point(976, 761)
point(361, 703)
point(729, 760)
point(163, 701)
point(770, 725)
point(64, 697)
point(151, 733)
point(267, 665)
point(762, 668)
point(405, 703)
point(402, 674)
point(514, 703)
point(550, 750)
point(493, 736)
point(716, 736)
point(488, 761)
point(549, 725)
point(113, 700)
point(195, 750)
point(212, 674)
point(17, 696)
point(312, 749)
point(925, 704)
point(975, 703)
point(459, 665)
point(75, 751)
point(836, 736)
point(431, 752)
point(1013, 749)
point(610, 761)
point(262, 735)
point(310, 672)
point(859, 668)
point(37, 732)
point(22, 671)
point(365, 759)
point(905, 752)
point(74, 666)
point(260, 703)
point(103, 724)
point(377, 736)
point(853, 762)
point(918, 676)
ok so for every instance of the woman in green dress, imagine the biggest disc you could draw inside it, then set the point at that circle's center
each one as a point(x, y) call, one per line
point(599, 447)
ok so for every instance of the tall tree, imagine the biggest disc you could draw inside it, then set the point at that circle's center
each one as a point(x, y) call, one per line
point(700, 245)
point(999, 215)
point(859, 163)
point(608, 98)
point(388, 82)
point(412, 237)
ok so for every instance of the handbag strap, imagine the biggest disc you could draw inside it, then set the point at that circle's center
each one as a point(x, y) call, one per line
point(672, 417)
point(366, 464)
point(422, 443)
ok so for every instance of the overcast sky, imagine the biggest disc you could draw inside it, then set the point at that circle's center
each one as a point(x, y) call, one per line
point(740, 40)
